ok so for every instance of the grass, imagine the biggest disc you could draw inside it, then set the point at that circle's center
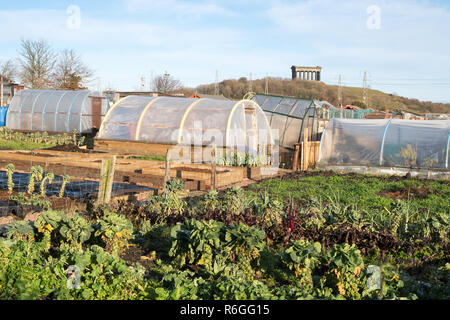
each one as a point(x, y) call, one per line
point(23, 145)
point(363, 191)
point(149, 158)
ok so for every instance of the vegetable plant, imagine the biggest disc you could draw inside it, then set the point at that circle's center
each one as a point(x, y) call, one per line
point(10, 168)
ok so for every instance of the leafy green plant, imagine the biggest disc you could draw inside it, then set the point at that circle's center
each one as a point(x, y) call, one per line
point(115, 230)
point(169, 203)
point(75, 229)
point(244, 244)
point(31, 200)
point(48, 177)
point(271, 210)
point(36, 173)
point(20, 230)
point(182, 285)
point(196, 242)
point(10, 168)
point(409, 155)
point(66, 180)
point(235, 200)
point(346, 264)
point(302, 257)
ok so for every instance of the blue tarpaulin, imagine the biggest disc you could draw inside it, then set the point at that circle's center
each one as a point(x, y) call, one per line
point(3, 111)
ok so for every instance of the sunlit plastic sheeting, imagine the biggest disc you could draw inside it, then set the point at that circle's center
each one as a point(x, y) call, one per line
point(401, 143)
point(173, 120)
point(289, 117)
point(54, 110)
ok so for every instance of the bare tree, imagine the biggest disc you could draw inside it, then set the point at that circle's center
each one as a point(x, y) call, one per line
point(70, 72)
point(166, 83)
point(8, 69)
point(37, 61)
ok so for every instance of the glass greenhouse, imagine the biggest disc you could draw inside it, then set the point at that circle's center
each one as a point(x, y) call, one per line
point(390, 143)
point(290, 116)
point(199, 122)
point(56, 111)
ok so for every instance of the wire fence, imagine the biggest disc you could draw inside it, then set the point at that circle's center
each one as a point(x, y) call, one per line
point(81, 187)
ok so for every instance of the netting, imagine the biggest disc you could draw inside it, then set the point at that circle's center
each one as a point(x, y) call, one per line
point(290, 116)
point(56, 111)
point(397, 143)
point(199, 122)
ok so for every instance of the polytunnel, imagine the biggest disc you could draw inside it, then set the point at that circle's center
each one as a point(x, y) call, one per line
point(56, 111)
point(290, 116)
point(187, 121)
point(392, 143)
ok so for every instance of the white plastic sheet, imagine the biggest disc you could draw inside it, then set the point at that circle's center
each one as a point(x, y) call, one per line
point(173, 120)
point(394, 143)
point(53, 111)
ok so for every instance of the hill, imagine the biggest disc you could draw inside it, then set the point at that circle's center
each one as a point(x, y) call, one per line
point(236, 89)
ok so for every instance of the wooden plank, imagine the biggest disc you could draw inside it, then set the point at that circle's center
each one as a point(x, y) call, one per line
point(213, 168)
point(306, 149)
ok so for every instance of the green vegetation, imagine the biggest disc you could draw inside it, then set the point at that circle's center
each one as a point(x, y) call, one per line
point(236, 89)
point(150, 158)
point(11, 140)
point(316, 236)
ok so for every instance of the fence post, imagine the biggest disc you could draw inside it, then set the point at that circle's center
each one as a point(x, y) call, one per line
point(213, 168)
point(167, 173)
point(106, 180)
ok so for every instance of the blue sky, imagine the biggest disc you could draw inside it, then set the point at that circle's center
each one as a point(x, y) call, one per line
point(123, 40)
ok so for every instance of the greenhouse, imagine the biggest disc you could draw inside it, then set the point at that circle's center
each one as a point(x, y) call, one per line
point(387, 143)
point(199, 122)
point(56, 111)
point(290, 116)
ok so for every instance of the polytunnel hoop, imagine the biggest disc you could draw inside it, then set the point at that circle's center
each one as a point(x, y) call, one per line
point(141, 117)
point(183, 120)
point(81, 113)
point(32, 109)
point(108, 114)
point(382, 142)
point(448, 145)
point(70, 108)
point(43, 110)
point(20, 108)
point(57, 107)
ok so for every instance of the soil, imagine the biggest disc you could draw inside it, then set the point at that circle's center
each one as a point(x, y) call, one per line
point(418, 193)
point(70, 148)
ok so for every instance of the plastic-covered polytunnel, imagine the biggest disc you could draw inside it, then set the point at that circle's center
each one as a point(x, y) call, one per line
point(201, 122)
point(290, 116)
point(56, 111)
point(390, 143)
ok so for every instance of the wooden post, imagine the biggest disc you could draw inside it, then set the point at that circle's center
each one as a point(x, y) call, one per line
point(295, 161)
point(213, 168)
point(106, 180)
point(167, 173)
point(305, 150)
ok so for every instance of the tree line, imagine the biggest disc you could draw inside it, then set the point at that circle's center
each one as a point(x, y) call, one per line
point(236, 89)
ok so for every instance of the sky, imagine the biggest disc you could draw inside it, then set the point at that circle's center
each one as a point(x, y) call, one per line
point(403, 45)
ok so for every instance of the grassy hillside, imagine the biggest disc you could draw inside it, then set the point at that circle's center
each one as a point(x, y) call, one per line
point(378, 100)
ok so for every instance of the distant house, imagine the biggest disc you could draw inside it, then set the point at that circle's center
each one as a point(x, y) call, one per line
point(10, 88)
point(437, 116)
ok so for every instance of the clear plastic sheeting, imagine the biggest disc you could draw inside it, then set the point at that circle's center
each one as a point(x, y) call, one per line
point(391, 143)
point(290, 116)
point(56, 111)
point(173, 120)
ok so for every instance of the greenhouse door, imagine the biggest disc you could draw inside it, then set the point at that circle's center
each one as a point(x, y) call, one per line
point(96, 113)
point(251, 129)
